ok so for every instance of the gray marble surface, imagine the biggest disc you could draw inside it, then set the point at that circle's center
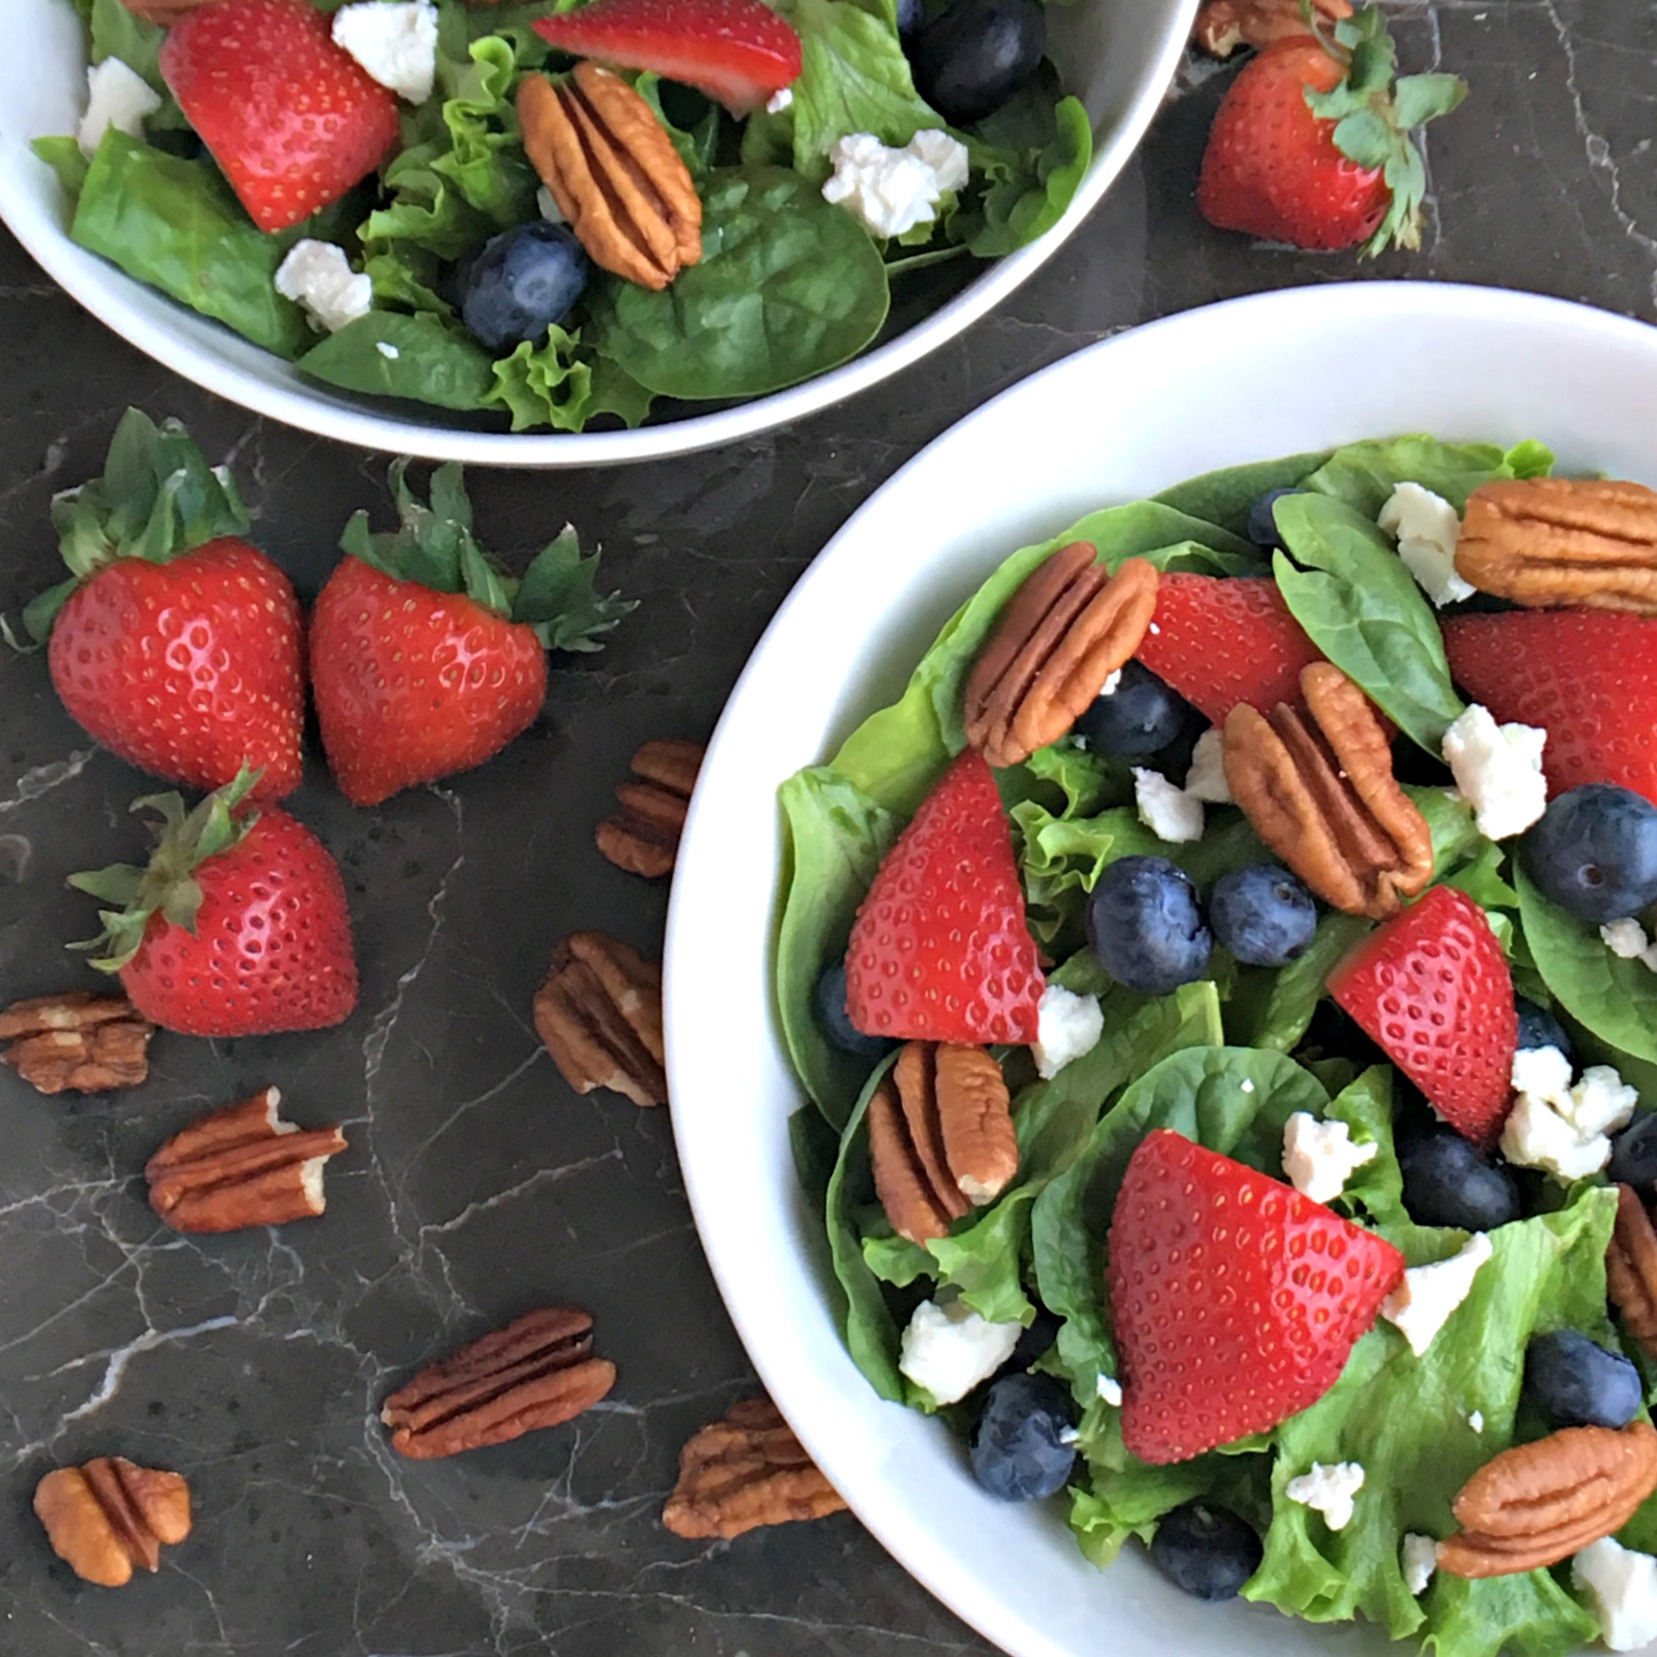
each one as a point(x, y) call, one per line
point(476, 1185)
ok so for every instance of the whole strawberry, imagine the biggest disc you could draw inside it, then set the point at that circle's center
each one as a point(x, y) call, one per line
point(238, 926)
point(1311, 146)
point(176, 644)
point(426, 658)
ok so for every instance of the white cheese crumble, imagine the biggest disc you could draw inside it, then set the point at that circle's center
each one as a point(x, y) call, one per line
point(1622, 1585)
point(1476, 1421)
point(1319, 1157)
point(779, 101)
point(546, 204)
point(1329, 1490)
point(1421, 1305)
point(1600, 1102)
point(1067, 1026)
point(1419, 1562)
point(1110, 1389)
point(387, 350)
point(1112, 680)
point(318, 276)
point(1544, 1071)
point(1535, 1135)
point(395, 41)
point(949, 1349)
point(1559, 1128)
point(116, 96)
point(1426, 528)
point(1206, 778)
point(893, 190)
point(1166, 810)
point(1498, 769)
point(1627, 940)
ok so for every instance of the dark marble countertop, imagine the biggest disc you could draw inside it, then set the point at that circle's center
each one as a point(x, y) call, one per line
point(476, 1184)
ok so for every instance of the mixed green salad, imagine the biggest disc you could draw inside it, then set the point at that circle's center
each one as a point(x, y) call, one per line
point(1226, 1060)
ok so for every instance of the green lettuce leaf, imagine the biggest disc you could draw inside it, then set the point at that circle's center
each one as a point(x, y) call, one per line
point(388, 354)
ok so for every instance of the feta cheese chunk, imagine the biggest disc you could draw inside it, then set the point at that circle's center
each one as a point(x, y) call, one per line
point(1625, 939)
point(779, 101)
point(1622, 1585)
point(1498, 769)
point(1560, 1128)
point(1535, 1135)
point(1110, 1389)
point(893, 190)
point(1420, 1560)
point(1600, 1102)
point(118, 97)
point(1067, 1026)
point(1426, 528)
point(1206, 778)
point(949, 1349)
point(1476, 1421)
point(395, 41)
point(1543, 1071)
point(1421, 1305)
point(1112, 680)
point(1329, 1490)
point(1167, 811)
point(1319, 1157)
point(318, 276)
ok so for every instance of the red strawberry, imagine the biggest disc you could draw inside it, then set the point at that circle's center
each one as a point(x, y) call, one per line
point(425, 658)
point(1235, 1299)
point(1277, 167)
point(1588, 677)
point(939, 950)
point(739, 52)
point(238, 927)
point(292, 119)
point(1222, 640)
point(176, 644)
point(1432, 987)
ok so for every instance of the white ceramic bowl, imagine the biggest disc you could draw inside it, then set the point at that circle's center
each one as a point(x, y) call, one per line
point(1118, 56)
point(1247, 380)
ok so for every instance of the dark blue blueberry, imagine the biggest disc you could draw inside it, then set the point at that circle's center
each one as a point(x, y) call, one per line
point(1577, 1383)
point(1141, 715)
point(1450, 1181)
point(1146, 926)
point(1262, 914)
point(1205, 1550)
point(909, 17)
point(1594, 852)
point(1539, 1028)
point(1018, 1448)
point(836, 1022)
point(1634, 1153)
point(1262, 530)
point(974, 55)
point(523, 281)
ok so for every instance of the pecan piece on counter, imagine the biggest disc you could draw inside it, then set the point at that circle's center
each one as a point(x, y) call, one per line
point(77, 1042)
point(1583, 542)
point(745, 1471)
point(1317, 786)
point(1225, 25)
point(1063, 633)
point(643, 837)
point(1631, 1268)
point(109, 1517)
point(538, 1371)
point(613, 170)
point(941, 1138)
point(1537, 1504)
point(239, 1167)
point(600, 1014)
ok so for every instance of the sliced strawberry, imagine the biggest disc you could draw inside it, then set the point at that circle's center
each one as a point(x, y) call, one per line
point(1588, 677)
point(739, 52)
point(1432, 988)
point(1222, 640)
point(1235, 1299)
point(939, 950)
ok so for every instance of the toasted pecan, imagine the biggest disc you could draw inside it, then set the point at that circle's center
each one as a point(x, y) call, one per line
point(600, 1015)
point(78, 1042)
point(109, 1517)
point(643, 837)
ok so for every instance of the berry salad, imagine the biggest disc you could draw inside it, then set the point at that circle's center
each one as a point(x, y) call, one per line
point(1224, 989)
point(552, 215)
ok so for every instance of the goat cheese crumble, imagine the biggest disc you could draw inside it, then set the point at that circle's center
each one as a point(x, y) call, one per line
point(1420, 1560)
point(1622, 1585)
point(1498, 769)
point(1328, 1490)
point(1426, 527)
point(116, 96)
point(1067, 1026)
point(1205, 780)
point(893, 190)
point(318, 276)
point(1319, 1157)
point(1421, 1305)
point(395, 41)
point(949, 1349)
point(1168, 811)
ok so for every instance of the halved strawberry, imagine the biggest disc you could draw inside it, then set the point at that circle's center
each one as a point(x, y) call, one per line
point(1588, 677)
point(1222, 640)
point(939, 950)
point(1235, 1299)
point(739, 52)
point(1432, 989)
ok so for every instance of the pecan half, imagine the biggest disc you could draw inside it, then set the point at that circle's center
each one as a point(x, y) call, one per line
point(614, 173)
point(941, 1138)
point(600, 1014)
point(1317, 786)
point(1585, 542)
point(1539, 1503)
point(109, 1517)
point(746, 1471)
point(538, 1371)
point(241, 1167)
point(79, 1042)
point(1063, 633)
point(1631, 1268)
point(643, 837)
point(1225, 25)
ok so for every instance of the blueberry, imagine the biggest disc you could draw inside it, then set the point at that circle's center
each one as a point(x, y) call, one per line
point(1450, 1181)
point(1578, 1383)
point(1206, 1550)
point(523, 281)
point(1634, 1153)
point(1594, 852)
point(910, 16)
point(1539, 1028)
point(1262, 526)
point(836, 1021)
point(1145, 925)
point(1141, 715)
point(1262, 914)
point(1018, 1448)
point(974, 55)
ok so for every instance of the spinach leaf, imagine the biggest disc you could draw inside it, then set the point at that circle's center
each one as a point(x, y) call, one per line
point(1225, 497)
point(1376, 1189)
point(391, 355)
point(1273, 1008)
point(1365, 474)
